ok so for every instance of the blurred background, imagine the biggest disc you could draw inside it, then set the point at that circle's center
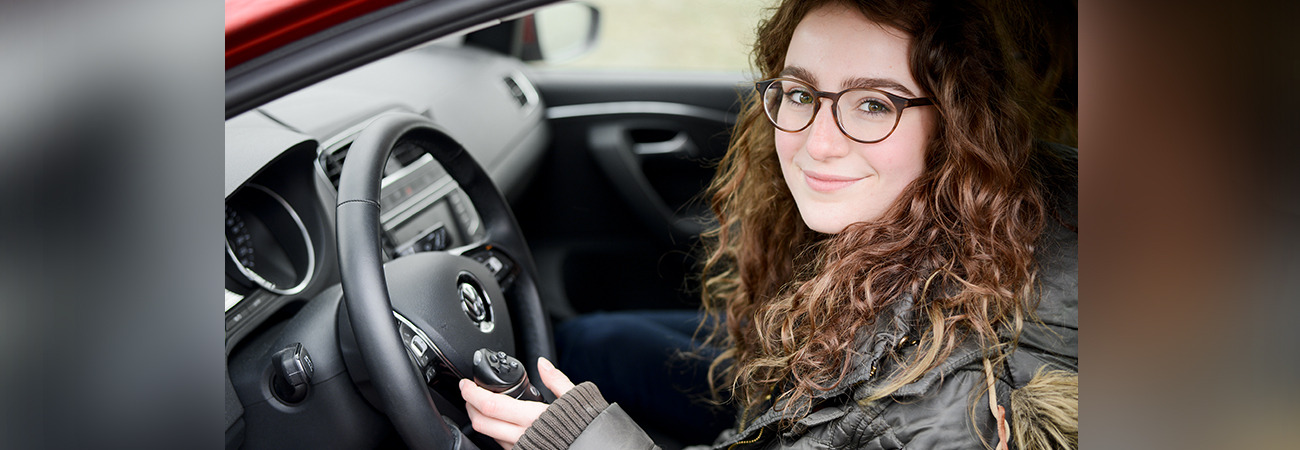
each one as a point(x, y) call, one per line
point(668, 34)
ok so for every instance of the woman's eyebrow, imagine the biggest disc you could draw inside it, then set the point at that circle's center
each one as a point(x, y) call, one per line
point(800, 73)
point(858, 82)
point(877, 83)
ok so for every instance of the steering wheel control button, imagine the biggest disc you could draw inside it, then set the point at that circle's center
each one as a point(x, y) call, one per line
point(234, 320)
point(429, 361)
point(502, 373)
point(494, 264)
point(419, 348)
point(436, 240)
point(292, 373)
point(498, 264)
point(416, 346)
point(474, 301)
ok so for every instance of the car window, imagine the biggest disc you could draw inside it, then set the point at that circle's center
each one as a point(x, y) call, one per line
point(710, 35)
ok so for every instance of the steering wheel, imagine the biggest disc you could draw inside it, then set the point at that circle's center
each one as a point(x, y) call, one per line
point(433, 292)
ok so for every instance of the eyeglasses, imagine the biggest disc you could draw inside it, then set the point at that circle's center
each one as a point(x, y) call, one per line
point(863, 114)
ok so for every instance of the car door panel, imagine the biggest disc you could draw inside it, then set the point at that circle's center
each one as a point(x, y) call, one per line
point(615, 212)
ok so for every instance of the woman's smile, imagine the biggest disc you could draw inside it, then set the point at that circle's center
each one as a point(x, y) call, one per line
point(823, 182)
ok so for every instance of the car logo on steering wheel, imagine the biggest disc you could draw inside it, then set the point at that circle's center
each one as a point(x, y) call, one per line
point(474, 301)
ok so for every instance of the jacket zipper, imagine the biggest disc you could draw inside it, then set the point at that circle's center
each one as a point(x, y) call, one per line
point(751, 441)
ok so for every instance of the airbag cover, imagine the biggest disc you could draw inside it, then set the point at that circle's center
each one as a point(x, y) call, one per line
point(427, 287)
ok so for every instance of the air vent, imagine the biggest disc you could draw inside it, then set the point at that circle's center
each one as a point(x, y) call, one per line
point(516, 91)
point(404, 153)
point(333, 163)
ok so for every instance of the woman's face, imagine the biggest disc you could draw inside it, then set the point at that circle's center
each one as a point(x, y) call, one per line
point(834, 180)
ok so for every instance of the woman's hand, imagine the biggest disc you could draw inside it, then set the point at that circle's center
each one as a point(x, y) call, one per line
point(503, 418)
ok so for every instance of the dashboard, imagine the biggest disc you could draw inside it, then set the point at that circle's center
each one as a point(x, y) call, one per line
point(283, 163)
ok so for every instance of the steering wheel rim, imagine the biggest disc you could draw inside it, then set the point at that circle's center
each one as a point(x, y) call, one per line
point(402, 392)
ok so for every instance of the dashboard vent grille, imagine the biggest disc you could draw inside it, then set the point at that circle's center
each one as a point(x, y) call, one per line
point(516, 91)
point(403, 154)
point(334, 164)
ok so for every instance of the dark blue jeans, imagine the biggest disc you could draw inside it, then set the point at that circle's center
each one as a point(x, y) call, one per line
point(634, 357)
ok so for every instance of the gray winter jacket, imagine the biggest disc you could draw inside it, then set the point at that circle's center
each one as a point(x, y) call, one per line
point(934, 412)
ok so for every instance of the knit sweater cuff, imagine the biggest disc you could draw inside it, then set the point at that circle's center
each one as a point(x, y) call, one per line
point(564, 420)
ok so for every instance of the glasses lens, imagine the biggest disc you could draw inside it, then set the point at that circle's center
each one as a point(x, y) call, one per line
point(867, 115)
point(790, 105)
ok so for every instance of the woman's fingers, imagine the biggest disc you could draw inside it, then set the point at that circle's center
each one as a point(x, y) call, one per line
point(506, 434)
point(505, 419)
point(555, 380)
point(500, 407)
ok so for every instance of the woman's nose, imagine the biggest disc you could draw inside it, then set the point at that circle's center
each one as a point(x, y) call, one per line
point(825, 140)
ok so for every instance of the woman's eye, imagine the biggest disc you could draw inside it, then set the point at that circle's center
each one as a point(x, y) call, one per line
point(874, 106)
point(800, 97)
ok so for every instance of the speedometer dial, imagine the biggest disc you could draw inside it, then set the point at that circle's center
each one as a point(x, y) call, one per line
point(238, 238)
point(267, 241)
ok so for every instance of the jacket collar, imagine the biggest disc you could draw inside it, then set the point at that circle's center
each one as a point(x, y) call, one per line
point(873, 343)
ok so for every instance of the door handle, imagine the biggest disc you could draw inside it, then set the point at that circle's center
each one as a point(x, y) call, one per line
point(680, 145)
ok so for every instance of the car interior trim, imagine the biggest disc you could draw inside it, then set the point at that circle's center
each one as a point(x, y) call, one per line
point(255, 148)
point(418, 164)
point(656, 108)
point(306, 237)
point(433, 345)
point(346, 136)
point(249, 313)
point(277, 121)
point(324, 177)
point(328, 150)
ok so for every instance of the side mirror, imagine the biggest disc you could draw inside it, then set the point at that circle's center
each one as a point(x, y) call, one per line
point(563, 32)
point(554, 34)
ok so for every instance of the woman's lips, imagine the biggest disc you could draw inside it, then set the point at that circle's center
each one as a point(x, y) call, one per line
point(821, 182)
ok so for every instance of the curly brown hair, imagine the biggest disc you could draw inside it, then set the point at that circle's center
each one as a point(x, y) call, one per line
point(787, 302)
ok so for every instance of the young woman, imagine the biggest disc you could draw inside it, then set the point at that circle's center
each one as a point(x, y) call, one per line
point(895, 264)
